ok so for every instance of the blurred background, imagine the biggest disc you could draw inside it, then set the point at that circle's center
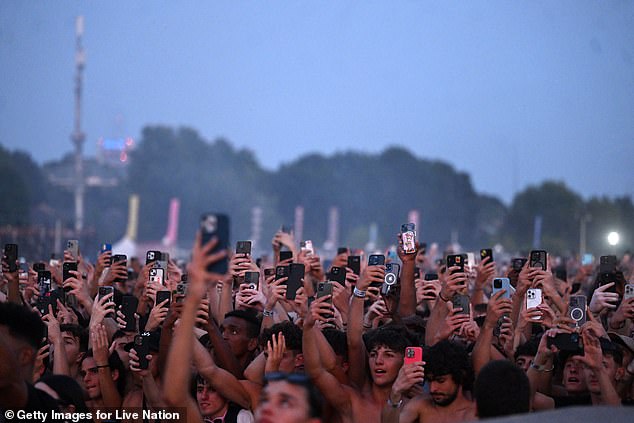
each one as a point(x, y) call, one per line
point(485, 123)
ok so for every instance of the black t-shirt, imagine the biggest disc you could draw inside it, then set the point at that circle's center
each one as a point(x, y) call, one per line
point(571, 401)
point(37, 402)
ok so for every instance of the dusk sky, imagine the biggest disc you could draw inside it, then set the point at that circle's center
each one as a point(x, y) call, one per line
point(512, 93)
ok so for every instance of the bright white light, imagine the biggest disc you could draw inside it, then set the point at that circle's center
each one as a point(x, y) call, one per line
point(613, 238)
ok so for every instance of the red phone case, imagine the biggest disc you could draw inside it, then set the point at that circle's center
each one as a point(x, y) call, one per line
point(413, 354)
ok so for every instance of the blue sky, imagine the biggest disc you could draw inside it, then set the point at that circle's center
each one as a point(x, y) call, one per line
point(511, 92)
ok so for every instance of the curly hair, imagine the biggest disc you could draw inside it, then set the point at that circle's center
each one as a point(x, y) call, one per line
point(449, 358)
point(292, 334)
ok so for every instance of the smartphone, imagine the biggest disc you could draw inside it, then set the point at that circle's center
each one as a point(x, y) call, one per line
point(307, 247)
point(287, 229)
point(518, 263)
point(181, 291)
point(323, 289)
point(294, 282)
point(162, 296)
point(216, 225)
point(105, 290)
point(577, 309)
point(416, 273)
point(431, 276)
point(566, 342)
point(142, 349)
point(354, 263)
point(72, 245)
point(408, 236)
point(44, 282)
point(269, 271)
point(253, 279)
point(538, 258)
point(120, 258)
point(152, 256)
point(104, 248)
point(67, 267)
point(413, 355)
point(376, 260)
point(628, 292)
point(461, 301)
point(486, 252)
point(338, 274)
point(157, 275)
point(281, 272)
point(533, 297)
point(456, 260)
point(286, 255)
point(243, 247)
point(607, 264)
point(39, 266)
point(500, 284)
point(390, 280)
point(11, 254)
point(129, 304)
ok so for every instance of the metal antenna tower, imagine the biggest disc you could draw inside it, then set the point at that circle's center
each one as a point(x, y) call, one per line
point(78, 137)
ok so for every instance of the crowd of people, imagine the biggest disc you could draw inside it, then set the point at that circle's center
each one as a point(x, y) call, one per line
point(362, 339)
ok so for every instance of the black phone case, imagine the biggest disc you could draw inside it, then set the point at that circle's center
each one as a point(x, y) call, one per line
point(11, 253)
point(295, 275)
point(538, 258)
point(67, 267)
point(285, 255)
point(142, 348)
point(354, 263)
point(243, 247)
point(162, 296)
point(338, 274)
point(129, 304)
point(461, 301)
point(456, 260)
point(216, 225)
point(376, 260)
point(486, 252)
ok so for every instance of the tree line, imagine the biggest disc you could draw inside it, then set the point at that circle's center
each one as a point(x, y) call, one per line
point(366, 188)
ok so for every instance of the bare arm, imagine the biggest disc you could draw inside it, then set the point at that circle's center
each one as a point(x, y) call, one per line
point(325, 381)
point(407, 299)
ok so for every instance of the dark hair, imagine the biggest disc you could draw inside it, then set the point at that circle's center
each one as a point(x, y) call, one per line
point(392, 336)
point(528, 348)
point(338, 341)
point(115, 363)
point(449, 358)
point(23, 323)
point(78, 332)
point(292, 334)
point(313, 396)
point(249, 316)
point(501, 389)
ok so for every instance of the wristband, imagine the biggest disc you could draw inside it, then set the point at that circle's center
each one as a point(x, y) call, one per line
point(391, 404)
point(441, 297)
point(358, 293)
point(268, 313)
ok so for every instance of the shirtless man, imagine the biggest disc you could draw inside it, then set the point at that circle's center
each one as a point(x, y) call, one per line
point(447, 372)
point(386, 347)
